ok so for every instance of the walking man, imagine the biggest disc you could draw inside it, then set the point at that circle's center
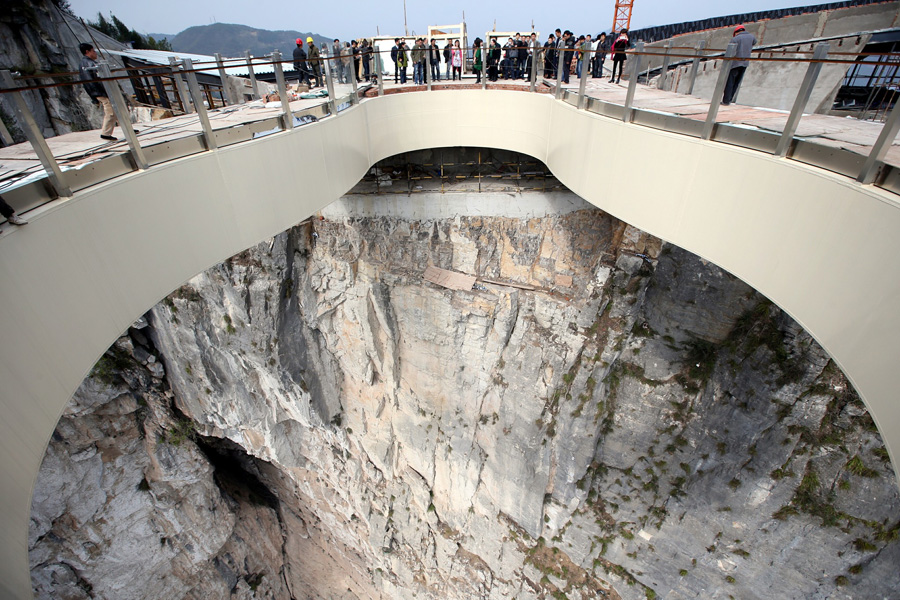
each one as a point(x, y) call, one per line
point(94, 89)
point(745, 42)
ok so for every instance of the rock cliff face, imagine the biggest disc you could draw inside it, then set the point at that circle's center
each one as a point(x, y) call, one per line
point(37, 38)
point(310, 419)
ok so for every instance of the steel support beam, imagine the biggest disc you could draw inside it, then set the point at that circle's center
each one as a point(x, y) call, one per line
point(628, 114)
point(209, 136)
point(123, 116)
point(716, 99)
point(803, 94)
point(33, 132)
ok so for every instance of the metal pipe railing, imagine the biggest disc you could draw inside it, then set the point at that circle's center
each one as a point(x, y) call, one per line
point(185, 85)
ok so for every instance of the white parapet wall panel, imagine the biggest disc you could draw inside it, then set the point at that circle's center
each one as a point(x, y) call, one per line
point(817, 244)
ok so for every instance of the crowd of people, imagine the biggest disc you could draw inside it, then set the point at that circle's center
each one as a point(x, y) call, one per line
point(511, 61)
point(351, 59)
point(514, 59)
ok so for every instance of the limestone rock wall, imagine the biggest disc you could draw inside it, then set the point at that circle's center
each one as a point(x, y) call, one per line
point(628, 422)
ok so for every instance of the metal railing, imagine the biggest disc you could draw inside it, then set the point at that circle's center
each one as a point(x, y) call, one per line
point(184, 84)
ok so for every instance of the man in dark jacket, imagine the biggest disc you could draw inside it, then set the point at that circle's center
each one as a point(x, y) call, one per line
point(434, 60)
point(95, 90)
point(300, 63)
point(568, 49)
point(599, 56)
point(745, 42)
point(394, 51)
point(447, 57)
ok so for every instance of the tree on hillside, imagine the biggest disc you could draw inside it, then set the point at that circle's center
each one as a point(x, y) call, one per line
point(115, 28)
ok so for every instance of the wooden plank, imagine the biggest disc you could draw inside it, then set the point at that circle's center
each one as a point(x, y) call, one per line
point(449, 279)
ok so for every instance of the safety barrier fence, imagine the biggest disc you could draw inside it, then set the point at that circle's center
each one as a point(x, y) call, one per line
point(866, 169)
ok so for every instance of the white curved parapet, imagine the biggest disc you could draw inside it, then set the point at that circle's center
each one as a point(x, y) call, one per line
point(819, 245)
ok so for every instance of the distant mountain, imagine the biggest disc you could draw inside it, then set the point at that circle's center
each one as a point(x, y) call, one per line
point(233, 40)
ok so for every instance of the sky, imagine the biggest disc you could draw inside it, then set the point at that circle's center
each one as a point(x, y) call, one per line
point(347, 19)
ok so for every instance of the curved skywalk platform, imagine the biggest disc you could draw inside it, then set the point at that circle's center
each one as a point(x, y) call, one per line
point(817, 243)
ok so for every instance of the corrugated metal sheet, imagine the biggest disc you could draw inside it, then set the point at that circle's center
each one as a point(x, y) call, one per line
point(663, 32)
point(161, 57)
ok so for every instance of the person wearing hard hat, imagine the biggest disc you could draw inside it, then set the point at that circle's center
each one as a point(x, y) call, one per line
point(745, 42)
point(313, 54)
point(300, 63)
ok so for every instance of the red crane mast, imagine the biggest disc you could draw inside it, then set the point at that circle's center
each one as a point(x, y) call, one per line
point(622, 18)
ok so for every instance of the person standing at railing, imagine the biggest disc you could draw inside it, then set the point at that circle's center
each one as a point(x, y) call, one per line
point(745, 42)
point(568, 49)
point(314, 61)
point(365, 53)
point(448, 50)
point(599, 56)
point(300, 63)
point(9, 213)
point(550, 57)
point(620, 46)
point(357, 61)
point(95, 90)
point(402, 61)
point(493, 59)
point(434, 60)
point(456, 60)
point(478, 60)
point(534, 53)
point(584, 51)
point(418, 56)
point(395, 52)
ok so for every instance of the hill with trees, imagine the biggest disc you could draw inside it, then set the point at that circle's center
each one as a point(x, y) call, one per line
point(233, 40)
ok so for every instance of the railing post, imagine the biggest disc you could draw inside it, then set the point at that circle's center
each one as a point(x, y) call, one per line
point(288, 116)
point(380, 68)
point(209, 135)
point(226, 93)
point(716, 99)
point(329, 79)
point(179, 85)
point(252, 74)
point(559, 67)
point(880, 149)
point(535, 56)
point(428, 66)
point(35, 137)
point(663, 75)
point(628, 115)
point(695, 66)
point(354, 86)
point(585, 72)
point(484, 69)
point(803, 95)
point(114, 94)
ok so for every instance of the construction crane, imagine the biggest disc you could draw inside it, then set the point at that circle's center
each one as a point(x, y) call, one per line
point(622, 18)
